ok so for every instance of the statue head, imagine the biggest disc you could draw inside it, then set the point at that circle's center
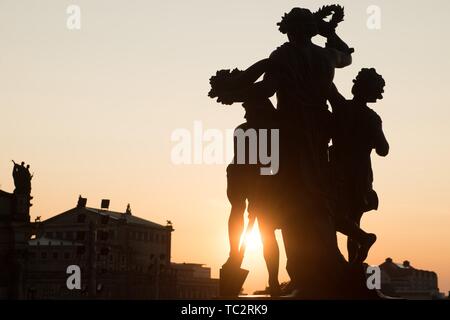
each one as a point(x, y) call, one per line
point(22, 163)
point(368, 86)
point(299, 25)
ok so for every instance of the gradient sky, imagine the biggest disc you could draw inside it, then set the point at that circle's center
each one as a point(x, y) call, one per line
point(93, 110)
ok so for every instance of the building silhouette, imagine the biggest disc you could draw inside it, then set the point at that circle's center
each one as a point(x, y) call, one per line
point(119, 255)
point(15, 230)
point(189, 281)
point(405, 281)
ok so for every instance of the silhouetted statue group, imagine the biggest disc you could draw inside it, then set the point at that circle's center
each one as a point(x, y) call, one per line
point(22, 178)
point(319, 189)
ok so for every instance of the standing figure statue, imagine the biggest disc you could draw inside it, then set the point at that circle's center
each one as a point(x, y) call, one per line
point(357, 130)
point(22, 178)
point(245, 183)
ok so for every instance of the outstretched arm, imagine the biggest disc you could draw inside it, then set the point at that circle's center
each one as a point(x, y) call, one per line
point(251, 74)
point(257, 91)
point(242, 87)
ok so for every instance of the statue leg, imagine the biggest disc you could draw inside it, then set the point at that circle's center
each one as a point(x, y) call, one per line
point(271, 255)
point(352, 242)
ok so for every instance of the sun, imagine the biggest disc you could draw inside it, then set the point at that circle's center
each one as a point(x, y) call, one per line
point(253, 240)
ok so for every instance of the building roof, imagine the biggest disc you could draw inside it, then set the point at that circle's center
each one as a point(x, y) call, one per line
point(402, 269)
point(131, 219)
point(128, 217)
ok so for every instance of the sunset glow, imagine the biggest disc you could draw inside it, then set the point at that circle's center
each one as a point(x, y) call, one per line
point(253, 240)
point(93, 112)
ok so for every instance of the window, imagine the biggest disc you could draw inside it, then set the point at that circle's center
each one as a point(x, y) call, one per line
point(66, 255)
point(44, 255)
point(49, 235)
point(59, 235)
point(81, 250)
point(102, 235)
point(81, 235)
point(69, 235)
point(55, 255)
point(105, 219)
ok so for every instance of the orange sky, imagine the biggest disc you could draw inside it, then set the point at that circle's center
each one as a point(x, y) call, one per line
point(93, 111)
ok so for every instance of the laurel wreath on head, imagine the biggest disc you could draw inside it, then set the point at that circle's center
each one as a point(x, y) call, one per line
point(335, 10)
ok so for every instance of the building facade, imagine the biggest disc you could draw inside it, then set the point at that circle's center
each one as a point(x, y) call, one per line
point(119, 255)
point(189, 281)
point(15, 230)
point(89, 253)
point(405, 281)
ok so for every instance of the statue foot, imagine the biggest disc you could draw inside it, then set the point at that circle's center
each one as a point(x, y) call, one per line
point(232, 261)
point(364, 248)
point(274, 289)
point(287, 289)
point(295, 294)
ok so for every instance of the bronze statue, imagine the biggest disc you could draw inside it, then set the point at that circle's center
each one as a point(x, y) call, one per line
point(357, 130)
point(301, 74)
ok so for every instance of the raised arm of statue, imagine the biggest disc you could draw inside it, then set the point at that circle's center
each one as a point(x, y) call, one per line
point(340, 53)
point(335, 98)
